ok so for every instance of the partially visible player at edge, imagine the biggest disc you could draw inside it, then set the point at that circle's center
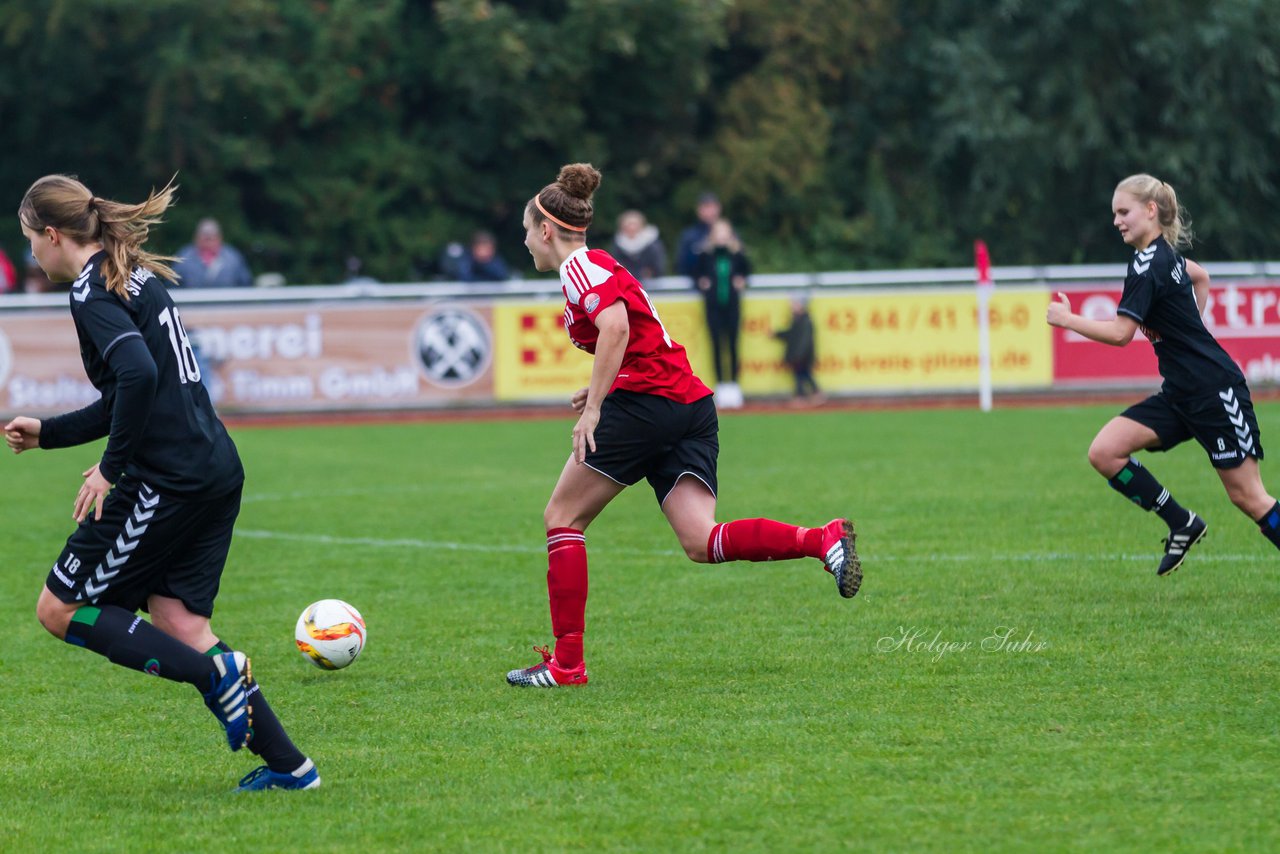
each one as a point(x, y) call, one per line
point(644, 415)
point(158, 539)
point(1203, 396)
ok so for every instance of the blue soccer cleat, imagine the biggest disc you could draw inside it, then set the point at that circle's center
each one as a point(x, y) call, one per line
point(262, 778)
point(228, 699)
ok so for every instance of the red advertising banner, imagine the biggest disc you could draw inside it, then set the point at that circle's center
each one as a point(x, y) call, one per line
point(1245, 318)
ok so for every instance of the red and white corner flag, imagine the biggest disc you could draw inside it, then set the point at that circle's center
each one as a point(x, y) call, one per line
point(982, 262)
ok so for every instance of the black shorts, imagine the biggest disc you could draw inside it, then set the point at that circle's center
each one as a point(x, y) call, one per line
point(645, 435)
point(147, 543)
point(1222, 422)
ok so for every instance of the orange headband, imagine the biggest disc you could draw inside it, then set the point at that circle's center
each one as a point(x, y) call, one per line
point(558, 222)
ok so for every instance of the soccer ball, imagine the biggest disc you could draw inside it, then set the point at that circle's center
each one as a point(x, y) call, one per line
point(330, 634)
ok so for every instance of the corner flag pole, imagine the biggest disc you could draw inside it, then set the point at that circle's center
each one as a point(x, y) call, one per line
point(982, 261)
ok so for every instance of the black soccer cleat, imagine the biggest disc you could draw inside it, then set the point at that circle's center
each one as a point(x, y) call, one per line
point(1180, 541)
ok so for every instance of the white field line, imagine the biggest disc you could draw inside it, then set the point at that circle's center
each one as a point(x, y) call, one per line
point(425, 545)
point(874, 557)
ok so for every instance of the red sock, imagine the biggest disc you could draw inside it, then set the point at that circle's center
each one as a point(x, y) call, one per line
point(567, 588)
point(762, 539)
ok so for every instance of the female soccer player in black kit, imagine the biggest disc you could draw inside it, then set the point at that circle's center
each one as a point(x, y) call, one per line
point(1204, 395)
point(155, 513)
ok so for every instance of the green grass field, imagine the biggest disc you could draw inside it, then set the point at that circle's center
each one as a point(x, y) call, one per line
point(740, 707)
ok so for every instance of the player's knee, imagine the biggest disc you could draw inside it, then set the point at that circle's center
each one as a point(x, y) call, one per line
point(696, 551)
point(1105, 460)
point(556, 516)
point(54, 616)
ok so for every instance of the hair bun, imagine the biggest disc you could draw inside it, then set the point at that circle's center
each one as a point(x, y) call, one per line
point(579, 180)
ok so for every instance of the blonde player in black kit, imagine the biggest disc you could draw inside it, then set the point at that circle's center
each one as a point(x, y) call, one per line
point(1204, 396)
point(156, 512)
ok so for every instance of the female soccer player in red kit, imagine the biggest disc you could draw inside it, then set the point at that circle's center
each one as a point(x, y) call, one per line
point(644, 415)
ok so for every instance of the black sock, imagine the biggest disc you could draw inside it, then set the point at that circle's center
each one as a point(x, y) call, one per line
point(130, 641)
point(1269, 524)
point(267, 737)
point(1140, 486)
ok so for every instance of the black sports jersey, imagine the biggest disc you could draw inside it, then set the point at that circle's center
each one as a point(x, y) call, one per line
point(162, 427)
point(1158, 294)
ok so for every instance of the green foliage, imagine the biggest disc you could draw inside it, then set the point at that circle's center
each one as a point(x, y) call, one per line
point(840, 133)
point(739, 707)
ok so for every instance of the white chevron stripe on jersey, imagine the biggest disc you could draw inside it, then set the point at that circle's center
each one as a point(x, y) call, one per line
point(80, 287)
point(1142, 260)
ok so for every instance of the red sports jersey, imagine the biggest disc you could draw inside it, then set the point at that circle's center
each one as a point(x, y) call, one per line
point(653, 363)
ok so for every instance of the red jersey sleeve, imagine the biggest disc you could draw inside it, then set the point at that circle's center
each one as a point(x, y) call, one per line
point(590, 282)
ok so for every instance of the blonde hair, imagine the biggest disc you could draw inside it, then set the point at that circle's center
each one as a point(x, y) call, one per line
point(733, 244)
point(568, 199)
point(1175, 225)
point(63, 202)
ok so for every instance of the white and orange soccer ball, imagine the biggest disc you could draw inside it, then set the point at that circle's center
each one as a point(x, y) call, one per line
point(330, 634)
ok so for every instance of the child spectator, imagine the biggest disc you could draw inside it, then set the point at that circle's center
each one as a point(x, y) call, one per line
point(799, 353)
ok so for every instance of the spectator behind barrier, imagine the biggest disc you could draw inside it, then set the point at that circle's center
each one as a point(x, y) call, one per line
point(638, 247)
point(721, 269)
point(692, 238)
point(209, 263)
point(482, 263)
point(799, 352)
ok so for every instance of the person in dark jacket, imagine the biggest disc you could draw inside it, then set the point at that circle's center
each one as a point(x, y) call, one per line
point(799, 352)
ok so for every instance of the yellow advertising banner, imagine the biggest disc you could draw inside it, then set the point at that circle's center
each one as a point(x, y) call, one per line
point(534, 359)
point(893, 341)
point(903, 340)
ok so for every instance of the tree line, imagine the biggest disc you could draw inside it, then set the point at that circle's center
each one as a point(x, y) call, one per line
point(840, 134)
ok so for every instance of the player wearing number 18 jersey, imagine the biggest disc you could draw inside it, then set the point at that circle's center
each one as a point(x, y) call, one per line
point(156, 512)
point(1204, 395)
point(644, 415)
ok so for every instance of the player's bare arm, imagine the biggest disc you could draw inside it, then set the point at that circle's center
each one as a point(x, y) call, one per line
point(1118, 331)
point(615, 329)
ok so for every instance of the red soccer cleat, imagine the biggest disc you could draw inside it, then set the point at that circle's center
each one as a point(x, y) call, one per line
point(840, 557)
point(547, 674)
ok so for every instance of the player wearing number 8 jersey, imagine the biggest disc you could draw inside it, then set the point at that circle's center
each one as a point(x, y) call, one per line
point(1204, 395)
point(644, 415)
point(156, 512)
